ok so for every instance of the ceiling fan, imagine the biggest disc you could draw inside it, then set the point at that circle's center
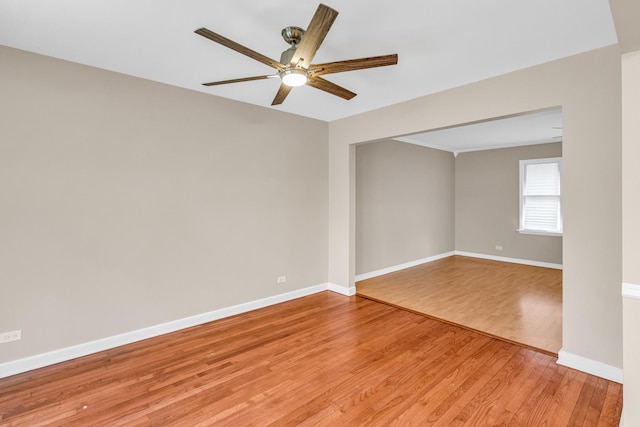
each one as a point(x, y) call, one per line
point(295, 67)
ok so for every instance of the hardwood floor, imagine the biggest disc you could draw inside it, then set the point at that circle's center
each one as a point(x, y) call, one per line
point(324, 360)
point(515, 302)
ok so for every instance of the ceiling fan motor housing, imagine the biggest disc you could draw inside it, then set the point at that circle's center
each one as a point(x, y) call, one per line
point(292, 75)
point(286, 56)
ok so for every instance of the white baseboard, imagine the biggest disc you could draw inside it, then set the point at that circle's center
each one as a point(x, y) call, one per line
point(512, 260)
point(589, 366)
point(631, 290)
point(399, 267)
point(56, 356)
point(347, 291)
point(409, 264)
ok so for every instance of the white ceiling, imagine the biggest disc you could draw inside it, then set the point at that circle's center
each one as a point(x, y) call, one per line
point(535, 128)
point(440, 44)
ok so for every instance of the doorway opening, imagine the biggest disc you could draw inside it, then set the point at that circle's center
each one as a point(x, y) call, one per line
point(444, 204)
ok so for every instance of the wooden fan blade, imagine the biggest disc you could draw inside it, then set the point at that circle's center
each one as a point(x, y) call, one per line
point(282, 94)
point(314, 35)
point(239, 48)
point(354, 64)
point(332, 88)
point(243, 79)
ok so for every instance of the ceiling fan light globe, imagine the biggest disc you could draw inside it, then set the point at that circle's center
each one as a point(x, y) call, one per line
point(294, 77)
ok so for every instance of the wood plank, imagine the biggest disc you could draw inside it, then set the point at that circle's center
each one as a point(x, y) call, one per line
point(567, 395)
point(597, 401)
point(514, 302)
point(612, 405)
point(320, 360)
point(579, 414)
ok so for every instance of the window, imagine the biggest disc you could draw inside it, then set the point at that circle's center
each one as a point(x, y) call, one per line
point(540, 201)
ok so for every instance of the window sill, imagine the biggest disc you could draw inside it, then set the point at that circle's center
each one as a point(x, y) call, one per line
point(540, 233)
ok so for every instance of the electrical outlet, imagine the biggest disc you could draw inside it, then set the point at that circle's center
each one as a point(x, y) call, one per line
point(282, 279)
point(10, 336)
point(498, 248)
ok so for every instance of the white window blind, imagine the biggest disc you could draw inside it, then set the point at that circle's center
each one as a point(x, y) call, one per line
point(540, 196)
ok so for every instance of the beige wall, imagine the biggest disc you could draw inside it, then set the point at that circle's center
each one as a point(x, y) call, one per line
point(631, 232)
point(404, 204)
point(126, 203)
point(487, 199)
point(587, 87)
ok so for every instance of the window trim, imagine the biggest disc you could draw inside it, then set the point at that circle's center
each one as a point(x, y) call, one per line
point(523, 163)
